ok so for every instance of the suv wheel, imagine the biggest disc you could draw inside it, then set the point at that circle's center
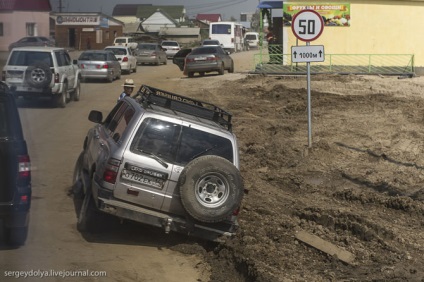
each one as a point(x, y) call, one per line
point(38, 75)
point(221, 69)
point(211, 188)
point(16, 235)
point(61, 98)
point(87, 215)
point(77, 92)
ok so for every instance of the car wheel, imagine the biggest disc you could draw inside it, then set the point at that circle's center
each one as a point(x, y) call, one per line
point(87, 217)
point(165, 62)
point(157, 62)
point(77, 179)
point(110, 77)
point(190, 74)
point(38, 75)
point(221, 69)
point(16, 235)
point(119, 74)
point(61, 98)
point(202, 73)
point(77, 92)
point(211, 188)
point(135, 68)
point(231, 70)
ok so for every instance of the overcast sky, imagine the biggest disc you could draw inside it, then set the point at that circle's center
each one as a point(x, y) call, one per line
point(227, 8)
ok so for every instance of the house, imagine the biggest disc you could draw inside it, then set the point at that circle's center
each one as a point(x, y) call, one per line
point(127, 13)
point(20, 18)
point(209, 18)
point(176, 13)
point(84, 31)
point(158, 19)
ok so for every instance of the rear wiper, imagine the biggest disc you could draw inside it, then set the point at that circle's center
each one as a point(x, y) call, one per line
point(204, 152)
point(156, 158)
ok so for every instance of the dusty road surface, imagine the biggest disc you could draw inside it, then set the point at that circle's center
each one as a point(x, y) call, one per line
point(349, 208)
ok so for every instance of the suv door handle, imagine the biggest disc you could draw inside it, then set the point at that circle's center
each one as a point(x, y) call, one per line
point(97, 136)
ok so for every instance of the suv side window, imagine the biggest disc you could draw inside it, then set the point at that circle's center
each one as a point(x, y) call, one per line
point(115, 125)
point(62, 58)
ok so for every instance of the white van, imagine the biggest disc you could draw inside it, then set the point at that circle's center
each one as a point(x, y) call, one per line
point(126, 42)
point(252, 38)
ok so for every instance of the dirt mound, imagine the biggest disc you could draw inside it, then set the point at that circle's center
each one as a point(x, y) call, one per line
point(358, 188)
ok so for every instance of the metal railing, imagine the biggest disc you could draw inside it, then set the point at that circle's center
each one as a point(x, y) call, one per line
point(272, 61)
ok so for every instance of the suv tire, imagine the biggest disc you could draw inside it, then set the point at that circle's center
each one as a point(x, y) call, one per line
point(77, 92)
point(87, 217)
point(61, 98)
point(211, 188)
point(38, 75)
point(16, 235)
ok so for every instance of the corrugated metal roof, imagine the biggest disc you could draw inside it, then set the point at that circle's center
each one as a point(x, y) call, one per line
point(175, 12)
point(127, 9)
point(25, 5)
point(209, 17)
point(179, 31)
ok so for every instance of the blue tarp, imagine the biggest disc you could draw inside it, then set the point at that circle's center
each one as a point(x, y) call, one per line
point(270, 5)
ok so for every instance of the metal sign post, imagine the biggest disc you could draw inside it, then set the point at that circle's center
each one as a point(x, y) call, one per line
point(307, 26)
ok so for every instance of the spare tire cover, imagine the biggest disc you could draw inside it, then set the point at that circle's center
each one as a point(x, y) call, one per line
point(211, 188)
point(39, 75)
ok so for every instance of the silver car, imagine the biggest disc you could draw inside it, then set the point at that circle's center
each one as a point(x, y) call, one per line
point(150, 53)
point(172, 47)
point(208, 59)
point(33, 41)
point(125, 56)
point(99, 64)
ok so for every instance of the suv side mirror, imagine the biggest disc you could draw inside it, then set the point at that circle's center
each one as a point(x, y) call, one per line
point(95, 116)
point(75, 62)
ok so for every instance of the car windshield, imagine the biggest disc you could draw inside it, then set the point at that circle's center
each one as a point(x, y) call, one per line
point(29, 58)
point(146, 47)
point(118, 51)
point(91, 56)
point(169, 43)
point(203, 51)
point(120, 40)
point(251, 37)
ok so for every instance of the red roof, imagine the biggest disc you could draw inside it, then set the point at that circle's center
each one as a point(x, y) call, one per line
point(25, 5)
point(209, 17)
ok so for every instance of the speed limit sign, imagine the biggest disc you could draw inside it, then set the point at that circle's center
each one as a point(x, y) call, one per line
point(307, 25)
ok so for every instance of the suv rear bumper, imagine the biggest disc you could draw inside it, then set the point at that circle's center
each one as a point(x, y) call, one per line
point(18, 90)
point(211, 232)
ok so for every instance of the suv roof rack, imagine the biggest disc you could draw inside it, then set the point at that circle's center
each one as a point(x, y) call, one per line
point(150, 95)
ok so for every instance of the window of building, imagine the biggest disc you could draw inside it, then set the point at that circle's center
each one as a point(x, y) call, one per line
point(99, 36)
point(107, 34)
point(30, 29)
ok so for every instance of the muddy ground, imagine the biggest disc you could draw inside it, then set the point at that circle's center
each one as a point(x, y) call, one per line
point(359, 186)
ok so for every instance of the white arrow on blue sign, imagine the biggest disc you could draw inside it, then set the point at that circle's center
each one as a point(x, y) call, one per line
point(308, 53)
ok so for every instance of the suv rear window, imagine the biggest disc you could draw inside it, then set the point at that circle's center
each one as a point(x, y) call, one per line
point(29, 58)
point(169, 43)
point(178, 144)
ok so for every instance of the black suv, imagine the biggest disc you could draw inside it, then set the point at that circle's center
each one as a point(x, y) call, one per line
point(165, 160)
point(15, 172)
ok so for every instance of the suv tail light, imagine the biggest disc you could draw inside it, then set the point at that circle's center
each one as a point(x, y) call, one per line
point(125, 59)
point(24, 167)
point(111, 171)
point(56, 78)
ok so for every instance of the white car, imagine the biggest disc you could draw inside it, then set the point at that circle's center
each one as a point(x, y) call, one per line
point(125, 41)
point(126, 58)
point(172, 47)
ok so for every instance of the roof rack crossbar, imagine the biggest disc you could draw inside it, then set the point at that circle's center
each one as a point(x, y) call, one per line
point(148, 95)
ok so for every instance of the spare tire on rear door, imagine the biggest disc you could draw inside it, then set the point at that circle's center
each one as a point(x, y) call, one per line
point(39, 75)
point(211, 188)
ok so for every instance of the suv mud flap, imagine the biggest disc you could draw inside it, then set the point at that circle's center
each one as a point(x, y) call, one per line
point(214, 232)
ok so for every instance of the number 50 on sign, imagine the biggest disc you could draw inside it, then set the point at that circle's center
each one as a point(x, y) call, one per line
point(307, 25)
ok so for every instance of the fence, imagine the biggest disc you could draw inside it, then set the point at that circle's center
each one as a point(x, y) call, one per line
point(272, 61)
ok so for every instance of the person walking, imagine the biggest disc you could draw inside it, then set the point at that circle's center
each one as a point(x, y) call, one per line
point(128, 88)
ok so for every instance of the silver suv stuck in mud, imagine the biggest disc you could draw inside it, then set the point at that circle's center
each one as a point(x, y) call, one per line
point(161, 159)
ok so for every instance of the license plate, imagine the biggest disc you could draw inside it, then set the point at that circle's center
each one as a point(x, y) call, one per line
point(200, 59)
point(142, 179)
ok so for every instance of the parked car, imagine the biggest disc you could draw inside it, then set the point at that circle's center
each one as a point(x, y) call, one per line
point(43, 72)
point(208, 59)
point(161, 159)
point(125, 41)
point(99, 64)
point(211, 42)
point(172, 47)
point(151, 53)
point(252, 39)
point(33, 41)
point(15, 171)
point(179, 58)
point(125, 56)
